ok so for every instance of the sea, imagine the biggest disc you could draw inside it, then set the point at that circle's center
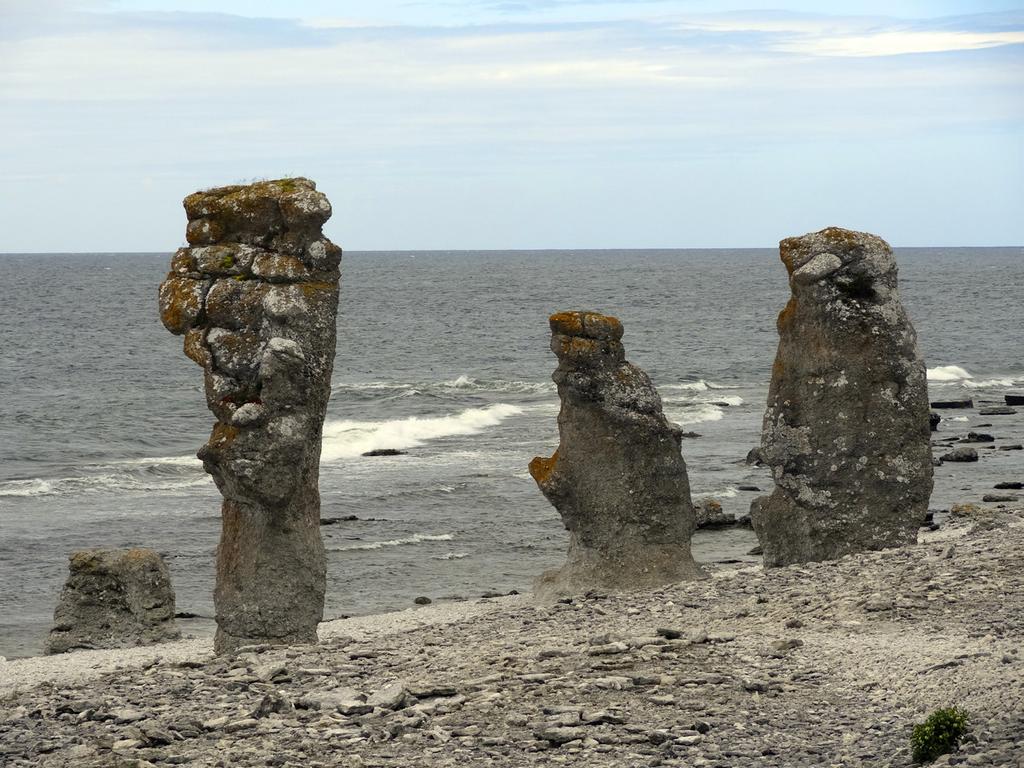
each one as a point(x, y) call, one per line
point(443, 355)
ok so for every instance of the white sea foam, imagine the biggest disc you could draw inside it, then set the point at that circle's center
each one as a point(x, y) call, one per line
point(416, 538)
point(724, 493)
point(498, 385)
point(451, 556)
point(700, 385)
point(463, 382)
point(949, 373)
point(32, 487)
point(71, 486)
point(169, 461)
point(990, 383)
point(345, 439)
point(956, 418)
point(697, 413)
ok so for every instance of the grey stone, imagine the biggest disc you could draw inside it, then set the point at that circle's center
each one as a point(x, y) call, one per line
point(114, 598)
point(391, 696)
point(960, 455)
point(846, 430)
point(348, 701)
point(256, 298)
point(618, 478)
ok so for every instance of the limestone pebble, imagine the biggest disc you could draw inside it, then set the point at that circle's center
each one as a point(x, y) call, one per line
point(256, 295)
point(833, 668)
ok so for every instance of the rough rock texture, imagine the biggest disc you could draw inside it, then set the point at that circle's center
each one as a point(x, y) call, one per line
point(114, 598)
point(846, 431)
point(256, 297)
point(618, 478)
point(824, 664)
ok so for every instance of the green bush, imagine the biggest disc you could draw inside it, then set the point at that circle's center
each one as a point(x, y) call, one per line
point(940, 734)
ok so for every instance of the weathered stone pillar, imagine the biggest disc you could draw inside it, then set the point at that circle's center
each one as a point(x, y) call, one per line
point(846, 431)
point(114, 598)
point(618, 479)
point(256, 296)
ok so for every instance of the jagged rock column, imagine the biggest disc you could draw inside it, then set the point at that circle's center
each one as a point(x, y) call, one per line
point(846, 431)
point(618, 478)
point(256, 297)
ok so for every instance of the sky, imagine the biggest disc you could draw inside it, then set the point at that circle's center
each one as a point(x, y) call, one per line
point(494, 124)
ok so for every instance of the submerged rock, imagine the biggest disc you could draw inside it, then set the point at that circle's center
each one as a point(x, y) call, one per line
point(618, 478)
point(846, 430)
point(948, 404)
point(114, 598)
point(998, 410)
point(256, 297)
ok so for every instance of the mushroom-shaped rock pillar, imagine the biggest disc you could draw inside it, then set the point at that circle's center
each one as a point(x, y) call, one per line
point(846, 430)
point(618, 478)
point(256, 296)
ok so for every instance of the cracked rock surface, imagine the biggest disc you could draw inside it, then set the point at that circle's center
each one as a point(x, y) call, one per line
point(846, 431)
point(826, 663)
point(114, 598)
point(256, 295)
point(618, 478)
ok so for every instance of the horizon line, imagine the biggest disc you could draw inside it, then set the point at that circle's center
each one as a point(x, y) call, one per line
point(500, 250)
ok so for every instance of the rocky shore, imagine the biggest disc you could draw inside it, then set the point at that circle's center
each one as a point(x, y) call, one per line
point(824, 664)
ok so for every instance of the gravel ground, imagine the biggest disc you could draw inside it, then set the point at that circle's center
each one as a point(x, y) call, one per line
point(824, 664)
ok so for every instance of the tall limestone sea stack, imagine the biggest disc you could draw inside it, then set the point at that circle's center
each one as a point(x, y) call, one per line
point(618, 478)
point(846, 431)
point(256, 297)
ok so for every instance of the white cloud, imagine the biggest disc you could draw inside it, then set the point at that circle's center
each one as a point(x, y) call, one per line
point(898, 43)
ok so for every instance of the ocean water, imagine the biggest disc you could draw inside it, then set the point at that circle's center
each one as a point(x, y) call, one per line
point(443, 354)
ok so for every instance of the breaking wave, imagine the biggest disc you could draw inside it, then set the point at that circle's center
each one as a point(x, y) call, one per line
point(954, 374)
point(344, 439)
point(416, 538)
point(949, 373)
point(695, 414)
point(696, 386)
point(460, 384)
point(159, 474)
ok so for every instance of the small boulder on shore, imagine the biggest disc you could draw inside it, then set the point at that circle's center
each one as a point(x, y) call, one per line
point(961, 454)
point(114, 598)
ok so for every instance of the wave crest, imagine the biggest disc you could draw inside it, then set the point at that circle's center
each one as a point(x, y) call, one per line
point(345, 439)
point(949, 373)
point(416, 538)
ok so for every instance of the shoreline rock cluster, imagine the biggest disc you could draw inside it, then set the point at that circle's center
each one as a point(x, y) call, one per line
point(822, 663)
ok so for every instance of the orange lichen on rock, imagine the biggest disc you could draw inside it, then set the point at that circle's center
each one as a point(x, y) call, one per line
point(787, 314)
point(590, 325)
point(541, 468)
point(181, 303)
point(567, 323)
point(256, 297)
